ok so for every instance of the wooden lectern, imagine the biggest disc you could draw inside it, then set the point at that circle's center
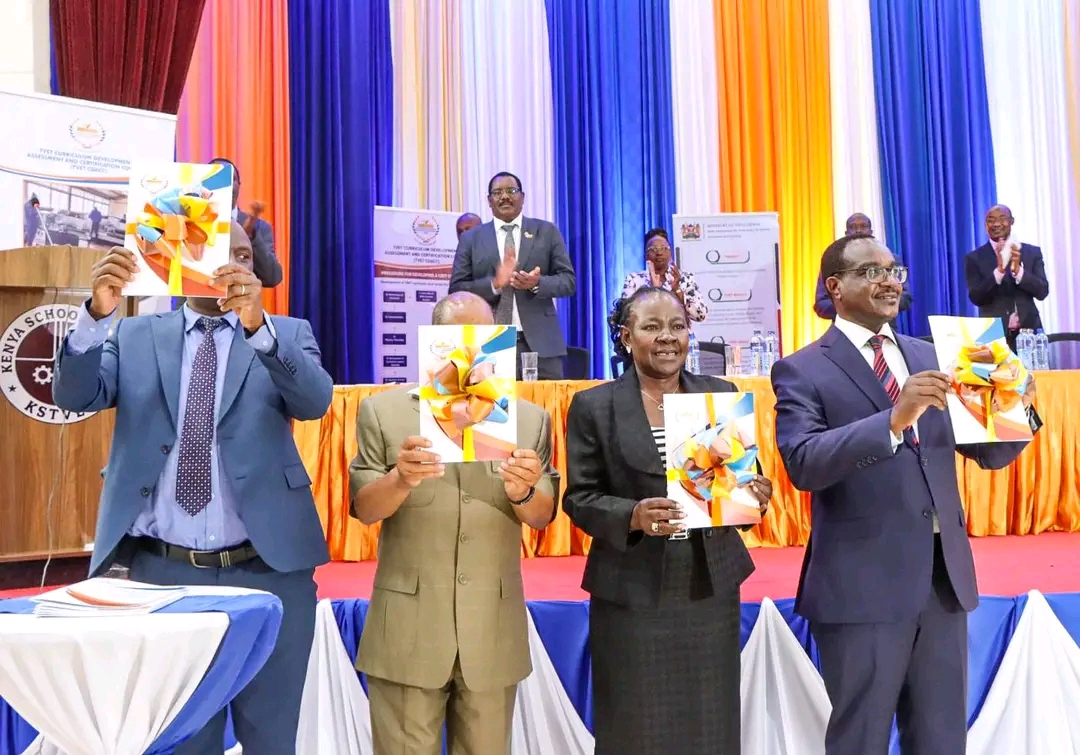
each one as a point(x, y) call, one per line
point(50, 460)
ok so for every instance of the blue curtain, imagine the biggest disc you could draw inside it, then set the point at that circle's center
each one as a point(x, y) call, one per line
point(342, 118)
point(54, 82)
point(937, 158)
point(614, 149)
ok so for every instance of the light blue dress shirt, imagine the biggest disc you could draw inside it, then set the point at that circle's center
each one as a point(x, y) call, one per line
point(217, 526)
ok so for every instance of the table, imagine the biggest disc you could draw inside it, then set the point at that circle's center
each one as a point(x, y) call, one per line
point(128, 685)
point(1038, 492)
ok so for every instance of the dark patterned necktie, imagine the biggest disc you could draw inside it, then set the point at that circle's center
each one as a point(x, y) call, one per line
point(888, 380)
point(193, 486)
point(504, 310)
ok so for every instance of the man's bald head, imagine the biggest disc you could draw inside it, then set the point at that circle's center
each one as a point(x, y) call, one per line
point(462, 308)
point(858, 225)
point(999, 222)
point(466, 222)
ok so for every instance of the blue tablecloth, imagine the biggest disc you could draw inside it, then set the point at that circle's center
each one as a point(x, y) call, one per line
point(254, 621)
point(563, 627)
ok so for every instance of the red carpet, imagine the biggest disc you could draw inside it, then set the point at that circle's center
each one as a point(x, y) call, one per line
point(1006, 566)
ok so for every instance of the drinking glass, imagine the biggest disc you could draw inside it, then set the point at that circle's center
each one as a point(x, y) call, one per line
point(528, 367)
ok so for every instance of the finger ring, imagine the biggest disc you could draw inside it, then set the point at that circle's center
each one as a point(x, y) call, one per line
point(243, 289)
point(655, 527)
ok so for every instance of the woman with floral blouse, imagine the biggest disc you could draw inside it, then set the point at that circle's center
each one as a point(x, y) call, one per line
point(661, 272)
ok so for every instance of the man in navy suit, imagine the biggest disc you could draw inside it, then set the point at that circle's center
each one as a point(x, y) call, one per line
point(204, 484)
point(266, 265)
point(1005, 277)
point(823, 306)
point(888, 577)
point(519, 266)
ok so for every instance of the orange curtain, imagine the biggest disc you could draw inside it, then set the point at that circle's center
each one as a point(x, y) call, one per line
point(236, 105)
point(776, 137)
point(1040, 492)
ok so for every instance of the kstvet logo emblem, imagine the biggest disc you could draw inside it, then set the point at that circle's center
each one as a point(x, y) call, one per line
point(154, 184)
point(86, 133)
point(28, 350)
point(426, 229)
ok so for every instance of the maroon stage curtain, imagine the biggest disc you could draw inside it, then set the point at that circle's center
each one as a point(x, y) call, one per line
point(125, 52)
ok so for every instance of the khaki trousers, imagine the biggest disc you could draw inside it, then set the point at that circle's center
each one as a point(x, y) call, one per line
point(409, 720)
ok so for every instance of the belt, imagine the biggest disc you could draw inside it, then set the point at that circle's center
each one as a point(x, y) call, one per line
point(221, 559)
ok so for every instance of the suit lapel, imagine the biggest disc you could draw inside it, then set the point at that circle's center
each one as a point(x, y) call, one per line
point(168, 334)
point(528, 232)
point(843, 353)
point(240, 357)
point(633, 433)
point(489, 239)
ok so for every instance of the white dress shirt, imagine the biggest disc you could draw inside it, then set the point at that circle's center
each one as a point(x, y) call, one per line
point(861, 336)
point(500, 238)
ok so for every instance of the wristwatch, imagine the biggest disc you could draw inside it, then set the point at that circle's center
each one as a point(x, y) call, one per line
point(526, 499)
point(535, 289)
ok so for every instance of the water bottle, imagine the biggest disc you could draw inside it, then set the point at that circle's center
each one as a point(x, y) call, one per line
point(772, 352)
point(1025, 347)
point(1041, 352)
point(757, 353)
point(693, 356)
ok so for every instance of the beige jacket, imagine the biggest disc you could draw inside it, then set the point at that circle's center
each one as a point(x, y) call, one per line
point(448, 584)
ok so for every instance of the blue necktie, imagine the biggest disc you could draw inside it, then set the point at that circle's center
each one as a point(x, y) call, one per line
point(193, 486)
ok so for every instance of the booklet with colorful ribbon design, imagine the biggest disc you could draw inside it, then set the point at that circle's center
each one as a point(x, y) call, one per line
point(179, 216)
point(988, 379)
point(467, 391)
point(712, 452)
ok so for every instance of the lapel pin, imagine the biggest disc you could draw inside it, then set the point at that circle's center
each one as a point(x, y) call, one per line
point(528, 235)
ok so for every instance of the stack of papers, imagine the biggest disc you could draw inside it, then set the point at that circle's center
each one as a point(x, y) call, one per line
point(106, 597)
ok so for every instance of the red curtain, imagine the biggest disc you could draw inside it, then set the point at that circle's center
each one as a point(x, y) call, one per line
point(125, 52)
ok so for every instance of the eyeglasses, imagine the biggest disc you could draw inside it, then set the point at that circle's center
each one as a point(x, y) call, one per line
point(505, 192)
point(657, 248)
point(878, 274)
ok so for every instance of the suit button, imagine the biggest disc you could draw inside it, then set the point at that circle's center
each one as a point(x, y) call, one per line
point(145, 492)
point(463, 538)
point(465, 498)
point(922, 460)
point(165, 450)
point(926, 513)
point(462, 579)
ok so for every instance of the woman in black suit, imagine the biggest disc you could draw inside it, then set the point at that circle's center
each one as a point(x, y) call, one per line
point(664, 615)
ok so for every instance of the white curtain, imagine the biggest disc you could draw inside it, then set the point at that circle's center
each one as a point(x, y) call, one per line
point(1031, 705)
point(785, 708)
point(856, 168)
point(508, 121)
point(695, 108)
point(427, 105)
point(1024, 51)
point(545, 721)
point(472, 97)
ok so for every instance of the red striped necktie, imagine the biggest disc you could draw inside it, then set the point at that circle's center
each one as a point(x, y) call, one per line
point(888, 380)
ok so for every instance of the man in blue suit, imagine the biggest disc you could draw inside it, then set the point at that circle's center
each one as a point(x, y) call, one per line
point(204, 484)
point(888, 577)
point(519, 266)
point(823, 307)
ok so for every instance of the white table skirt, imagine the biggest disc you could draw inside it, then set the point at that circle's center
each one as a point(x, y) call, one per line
point(104, 685)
